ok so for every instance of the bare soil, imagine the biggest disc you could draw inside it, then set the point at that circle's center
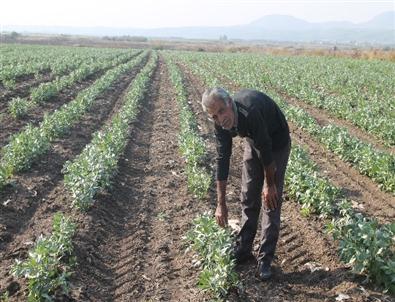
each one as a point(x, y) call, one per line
point(27, 204)
point(129, 245)
point(11, 125)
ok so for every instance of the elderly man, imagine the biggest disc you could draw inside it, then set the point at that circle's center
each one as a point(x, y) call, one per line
point(256, 117)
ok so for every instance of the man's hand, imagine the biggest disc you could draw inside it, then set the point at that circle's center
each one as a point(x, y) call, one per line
point(270, 197)
point(221, 215)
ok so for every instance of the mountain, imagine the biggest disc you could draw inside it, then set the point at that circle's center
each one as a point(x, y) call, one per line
point(383, 21)
point(379, 30)
point(281, 22)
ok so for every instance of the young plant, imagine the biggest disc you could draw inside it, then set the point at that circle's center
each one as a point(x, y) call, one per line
point(214, 246)
point(49, 263)
point(19, 107)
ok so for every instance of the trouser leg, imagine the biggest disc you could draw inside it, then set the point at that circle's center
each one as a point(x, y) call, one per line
point(270, 223)
point(251, 188)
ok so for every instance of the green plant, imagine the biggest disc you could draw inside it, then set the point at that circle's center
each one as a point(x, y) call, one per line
point(48, 266)
point(214, 246)
point(94, 168)
point(5, 297)
point(368, 247)
point(19, 107)
point(191, 145)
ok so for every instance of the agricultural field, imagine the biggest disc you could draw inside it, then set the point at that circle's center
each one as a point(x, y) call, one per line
point(107, 189)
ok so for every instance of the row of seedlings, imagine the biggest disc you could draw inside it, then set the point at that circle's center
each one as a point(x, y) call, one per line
point(191, 145)
point(21, 60)
point(32, 142)
point(377, 165)
point(50, 262)
point(364, 244)
point(212, 243)
point(214, 246)
point(94, 168)
point(19, 107)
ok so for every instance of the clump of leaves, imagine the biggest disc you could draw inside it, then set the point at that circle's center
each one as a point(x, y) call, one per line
point(49, 263)
point(19, 107)
point(368, 247)
point(214, 246)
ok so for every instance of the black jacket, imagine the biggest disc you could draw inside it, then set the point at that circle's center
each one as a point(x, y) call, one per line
point(261, 121)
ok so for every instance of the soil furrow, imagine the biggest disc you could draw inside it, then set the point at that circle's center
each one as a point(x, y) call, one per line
point(149, 262)
point(364, 193)
point(11, 125)
point(28, 204)
point(306, 267)
point(325, 118)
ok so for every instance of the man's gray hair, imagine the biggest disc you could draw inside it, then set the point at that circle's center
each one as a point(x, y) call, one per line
point(213, 94)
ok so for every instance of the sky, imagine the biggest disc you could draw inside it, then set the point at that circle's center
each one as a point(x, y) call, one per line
point(175, 13)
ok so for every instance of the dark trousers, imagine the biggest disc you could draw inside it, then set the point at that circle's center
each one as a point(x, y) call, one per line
point(251, 201)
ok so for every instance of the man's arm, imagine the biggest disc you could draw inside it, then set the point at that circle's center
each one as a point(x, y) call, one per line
point(224, 150)
point(221, 213)
point(270, 195)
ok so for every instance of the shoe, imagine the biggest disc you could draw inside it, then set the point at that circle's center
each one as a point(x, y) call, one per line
point(264, 271)
point(242, 255)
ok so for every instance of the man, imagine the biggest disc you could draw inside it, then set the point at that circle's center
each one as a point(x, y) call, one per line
point(256, 117)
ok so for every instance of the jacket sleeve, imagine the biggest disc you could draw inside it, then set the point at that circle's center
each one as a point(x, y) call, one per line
point(259, 134)
point(224, 151)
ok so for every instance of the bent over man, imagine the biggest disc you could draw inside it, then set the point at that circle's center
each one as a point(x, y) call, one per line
point(256, 117)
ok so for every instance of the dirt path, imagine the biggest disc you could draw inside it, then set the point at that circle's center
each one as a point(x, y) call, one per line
point(135, 235)
point(307, 267)
point(28, 204)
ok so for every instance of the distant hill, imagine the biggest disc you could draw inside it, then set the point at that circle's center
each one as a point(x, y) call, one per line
point(378, 30)
point(382, 21)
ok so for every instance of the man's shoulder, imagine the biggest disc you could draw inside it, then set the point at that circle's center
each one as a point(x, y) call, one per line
point(248, 96)
point(246, 93)
point(248, 99)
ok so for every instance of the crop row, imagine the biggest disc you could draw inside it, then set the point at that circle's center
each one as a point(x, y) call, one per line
point(214, 246)
point(32, 142)
point(19, 60)
point(368, 105)
point(363, 243)
point(378, 165)
point(50, 262)
point(19, 107)
point(191, 145)
point(94, 168)
point(212, 243)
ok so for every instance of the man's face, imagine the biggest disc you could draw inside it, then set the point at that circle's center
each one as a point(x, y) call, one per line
point(222, 114)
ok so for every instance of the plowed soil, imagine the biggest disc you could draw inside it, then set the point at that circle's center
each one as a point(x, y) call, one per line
point(129, 245)
point(11, 125)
